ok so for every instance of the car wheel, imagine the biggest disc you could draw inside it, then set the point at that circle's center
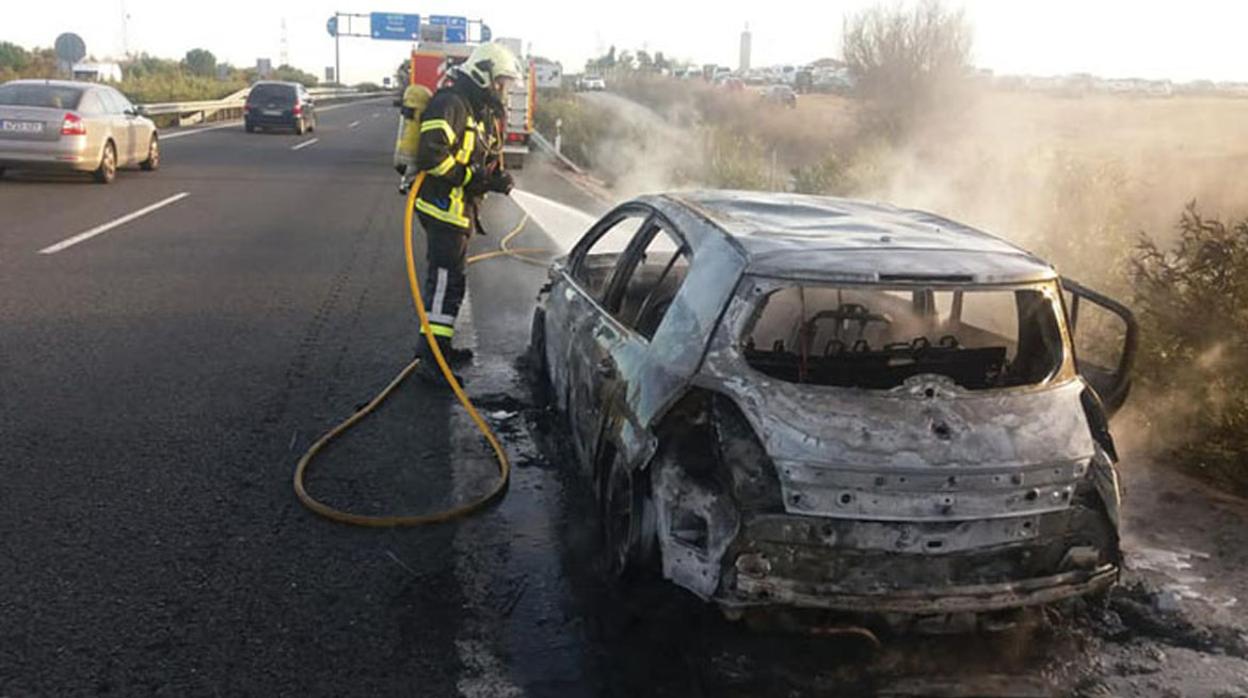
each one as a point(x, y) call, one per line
point(107, 171)
point(152, 163)
point(300, 128)
point(627, 517)
point(537, 348)
point(312, 126)
point(1, 173)
point(249, 128)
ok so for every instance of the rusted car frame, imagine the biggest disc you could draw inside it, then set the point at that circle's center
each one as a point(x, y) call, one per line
point(817, 462)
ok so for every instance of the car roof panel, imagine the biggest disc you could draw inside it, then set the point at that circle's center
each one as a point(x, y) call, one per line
point(782, 234)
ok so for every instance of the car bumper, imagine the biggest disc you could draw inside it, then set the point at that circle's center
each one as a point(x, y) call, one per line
point(260, 120)
point(764, 590)
point(743, 560)
point(64, 155)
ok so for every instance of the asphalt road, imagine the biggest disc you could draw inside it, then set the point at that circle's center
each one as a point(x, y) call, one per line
point(157, 384)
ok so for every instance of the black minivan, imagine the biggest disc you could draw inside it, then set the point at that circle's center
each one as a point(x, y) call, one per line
point(279, 105)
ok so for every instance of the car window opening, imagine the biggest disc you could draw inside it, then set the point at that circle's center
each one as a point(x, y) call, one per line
point(877, 339)
point(651, 289)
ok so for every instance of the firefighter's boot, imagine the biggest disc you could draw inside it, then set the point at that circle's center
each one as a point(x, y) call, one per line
point(455, 358)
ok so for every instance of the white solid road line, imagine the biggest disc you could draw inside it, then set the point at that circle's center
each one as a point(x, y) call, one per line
point(83, 237)
point(305, 144)
point(353, 124)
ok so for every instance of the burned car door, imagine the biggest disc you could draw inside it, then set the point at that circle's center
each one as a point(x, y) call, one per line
point(576, 320)
point(623, 361)
point(1105, 335)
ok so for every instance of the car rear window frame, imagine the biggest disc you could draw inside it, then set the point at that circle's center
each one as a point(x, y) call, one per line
point(76, 92)
point(757, 291)
point(291, 94)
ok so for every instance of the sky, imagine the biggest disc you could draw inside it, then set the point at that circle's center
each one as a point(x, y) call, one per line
point(1192, 39)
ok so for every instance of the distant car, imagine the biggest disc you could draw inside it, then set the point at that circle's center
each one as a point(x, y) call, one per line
point(279, 105)
point(73, 127)
point(593, 83)
point(781, 95)
point(817, 404)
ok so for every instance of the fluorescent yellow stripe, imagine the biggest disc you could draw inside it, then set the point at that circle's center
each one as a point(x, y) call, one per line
point(441, 330)
point(444, 167)
point(444, 216)
point(435, 124)
point(465, 150)
point(467, 176)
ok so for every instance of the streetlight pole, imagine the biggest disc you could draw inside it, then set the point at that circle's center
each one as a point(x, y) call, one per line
point(337, 59)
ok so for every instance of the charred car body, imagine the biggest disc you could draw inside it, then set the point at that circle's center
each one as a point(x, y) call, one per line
point(816, 403)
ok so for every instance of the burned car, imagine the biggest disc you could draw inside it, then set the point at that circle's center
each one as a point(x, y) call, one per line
point(816, 403)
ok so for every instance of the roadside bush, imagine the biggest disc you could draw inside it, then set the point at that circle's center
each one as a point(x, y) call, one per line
point(584, 125)
point(907, 62)
point(829, 176)
point(176, 87)
point(1192, 303)
point(733, 160)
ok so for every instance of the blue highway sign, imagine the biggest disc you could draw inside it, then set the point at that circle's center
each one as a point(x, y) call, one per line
point(456, 28)
point(396, 27)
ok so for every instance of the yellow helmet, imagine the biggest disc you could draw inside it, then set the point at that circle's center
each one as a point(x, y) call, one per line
point(488, 63)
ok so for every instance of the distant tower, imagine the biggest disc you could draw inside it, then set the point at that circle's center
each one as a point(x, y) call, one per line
point(745, 48)
point(285, 45)
point(125, 30)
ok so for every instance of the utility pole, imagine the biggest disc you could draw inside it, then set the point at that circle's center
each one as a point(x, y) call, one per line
point(337, 59)
point(285, 44)
point(125, 30)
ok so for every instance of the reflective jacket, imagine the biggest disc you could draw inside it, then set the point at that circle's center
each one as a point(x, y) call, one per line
point(457, 137)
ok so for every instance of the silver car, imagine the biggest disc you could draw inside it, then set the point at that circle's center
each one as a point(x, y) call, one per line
point(73, 127)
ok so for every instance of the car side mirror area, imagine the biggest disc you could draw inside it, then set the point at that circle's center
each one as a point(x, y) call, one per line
point(1105, 335)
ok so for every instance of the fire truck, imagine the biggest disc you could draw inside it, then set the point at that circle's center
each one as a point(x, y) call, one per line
point(432, 62)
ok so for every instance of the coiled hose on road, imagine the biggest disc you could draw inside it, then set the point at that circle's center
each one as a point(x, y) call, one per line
point(504, 464)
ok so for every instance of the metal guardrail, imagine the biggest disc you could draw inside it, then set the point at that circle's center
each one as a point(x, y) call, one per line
point(189, 113)
point(541, 142)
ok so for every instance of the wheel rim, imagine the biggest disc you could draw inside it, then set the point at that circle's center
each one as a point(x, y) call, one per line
point(153, 153)
point(110, 162)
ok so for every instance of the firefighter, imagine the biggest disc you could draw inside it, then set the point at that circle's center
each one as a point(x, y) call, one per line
point(460, 153)
point(415, 99)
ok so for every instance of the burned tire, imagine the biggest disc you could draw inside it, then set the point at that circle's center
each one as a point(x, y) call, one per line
point(537, 349)
point(627, 517)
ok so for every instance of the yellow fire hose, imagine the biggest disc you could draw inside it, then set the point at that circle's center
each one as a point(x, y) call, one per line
point(504, 465)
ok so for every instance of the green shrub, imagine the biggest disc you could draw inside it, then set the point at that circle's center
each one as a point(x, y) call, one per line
point(584, 125)
point(1192, 303)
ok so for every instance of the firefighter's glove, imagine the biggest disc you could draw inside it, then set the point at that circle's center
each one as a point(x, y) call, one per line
point(500, 181)
point(479, 184)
